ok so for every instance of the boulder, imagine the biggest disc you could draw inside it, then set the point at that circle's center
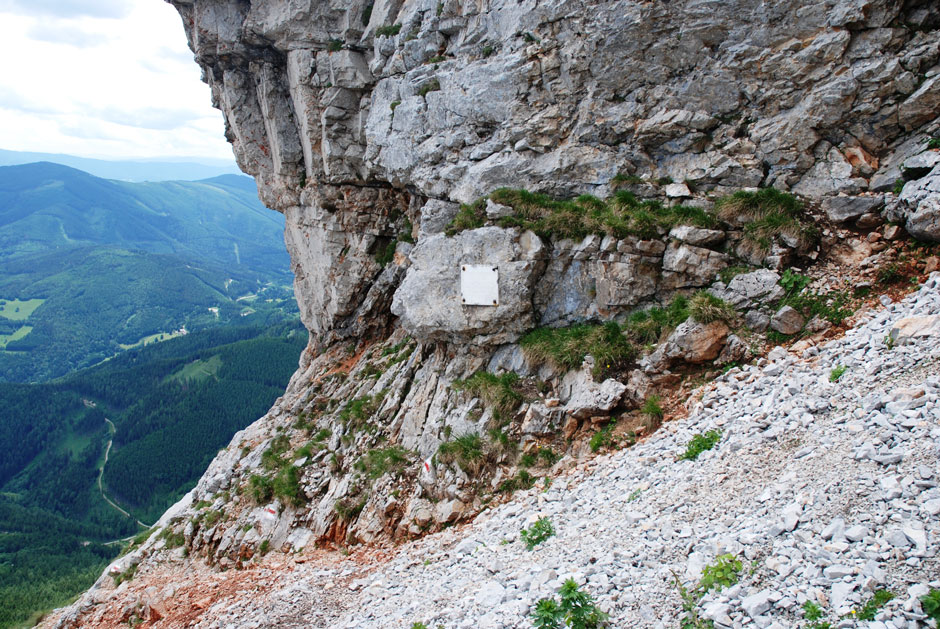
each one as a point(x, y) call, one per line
point(590, 399)
point(677, 191)
point(914, 327)
point(924, 222)
point(748, 289)
point(735, 350)
point(842, 209)
point(756, 320)
point(692, 342)
point(787, 321)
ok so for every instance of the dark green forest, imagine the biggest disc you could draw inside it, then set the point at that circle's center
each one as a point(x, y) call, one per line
point(173, 405)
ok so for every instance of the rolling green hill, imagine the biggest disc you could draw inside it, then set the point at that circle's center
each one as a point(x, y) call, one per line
point(47, 207)
point(170, 416)
point(91, 267)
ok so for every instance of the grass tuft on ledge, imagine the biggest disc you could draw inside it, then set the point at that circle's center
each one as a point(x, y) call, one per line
point(621, 215)
point(766, 214)
point(566, 348)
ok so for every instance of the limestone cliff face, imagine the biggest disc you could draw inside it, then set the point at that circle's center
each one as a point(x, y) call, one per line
point(353, 115)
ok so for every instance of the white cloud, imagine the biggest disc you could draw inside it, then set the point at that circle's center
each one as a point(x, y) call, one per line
point(105, 79)
point(109, 9)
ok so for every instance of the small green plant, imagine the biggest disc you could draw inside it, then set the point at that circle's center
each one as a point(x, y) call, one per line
point(386, 254)
point(724, 572)
point(898, 185)
point(437, 59)
point(706, 308)
point(335, 45)
point(264, 547)
point(879, 599)
point(469, 216)
point(540, 531)
point(621, 179)
point(652, 409)
point(418, 625)
point(652, 324)
point(126, 575)
point(388, 30)
point(664, 181)
point(261, 488)
point(699, 443)
point(721, 574)
point(931, 604)
point(837, 373)
point(634, 494)
point(433, 85)
point(576, 609)
point(360, 410)
point(890, 274)
point(487, 50)
point(815, 615)
point(603, 438)
point(392, 105)
point(933, 143)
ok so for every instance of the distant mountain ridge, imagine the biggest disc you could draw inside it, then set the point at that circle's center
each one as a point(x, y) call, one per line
point(184, 169)
point(46, 206)
point(91, 266)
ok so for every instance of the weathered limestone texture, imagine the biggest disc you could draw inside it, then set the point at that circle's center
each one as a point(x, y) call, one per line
point(353, 115)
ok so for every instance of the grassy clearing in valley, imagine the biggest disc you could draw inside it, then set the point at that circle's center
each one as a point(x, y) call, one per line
point(17, 310)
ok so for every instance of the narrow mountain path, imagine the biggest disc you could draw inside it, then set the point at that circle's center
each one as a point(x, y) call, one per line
point(107, 452)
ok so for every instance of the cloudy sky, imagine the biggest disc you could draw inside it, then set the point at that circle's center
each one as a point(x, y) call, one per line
point(103, 78)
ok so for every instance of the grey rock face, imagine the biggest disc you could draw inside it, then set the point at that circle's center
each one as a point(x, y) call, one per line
point(469, 98)
point(841, 209)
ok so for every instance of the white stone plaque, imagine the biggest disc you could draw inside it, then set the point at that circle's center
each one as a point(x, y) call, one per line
point(479, 285)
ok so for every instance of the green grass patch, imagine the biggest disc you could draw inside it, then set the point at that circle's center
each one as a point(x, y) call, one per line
point(433, 85)
point(836, 373)
point(765, 215)
point(18, 310)
point(159, 337)
point(706, 308)
point(651, 325)
point(496, 392)
point(620, 216)
point(359, 410)
point(380, 461)
point(834, 306)
point(9, 338)
point(565, 348)
point(197, 371)
point(466, 451)
point(388, 30)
